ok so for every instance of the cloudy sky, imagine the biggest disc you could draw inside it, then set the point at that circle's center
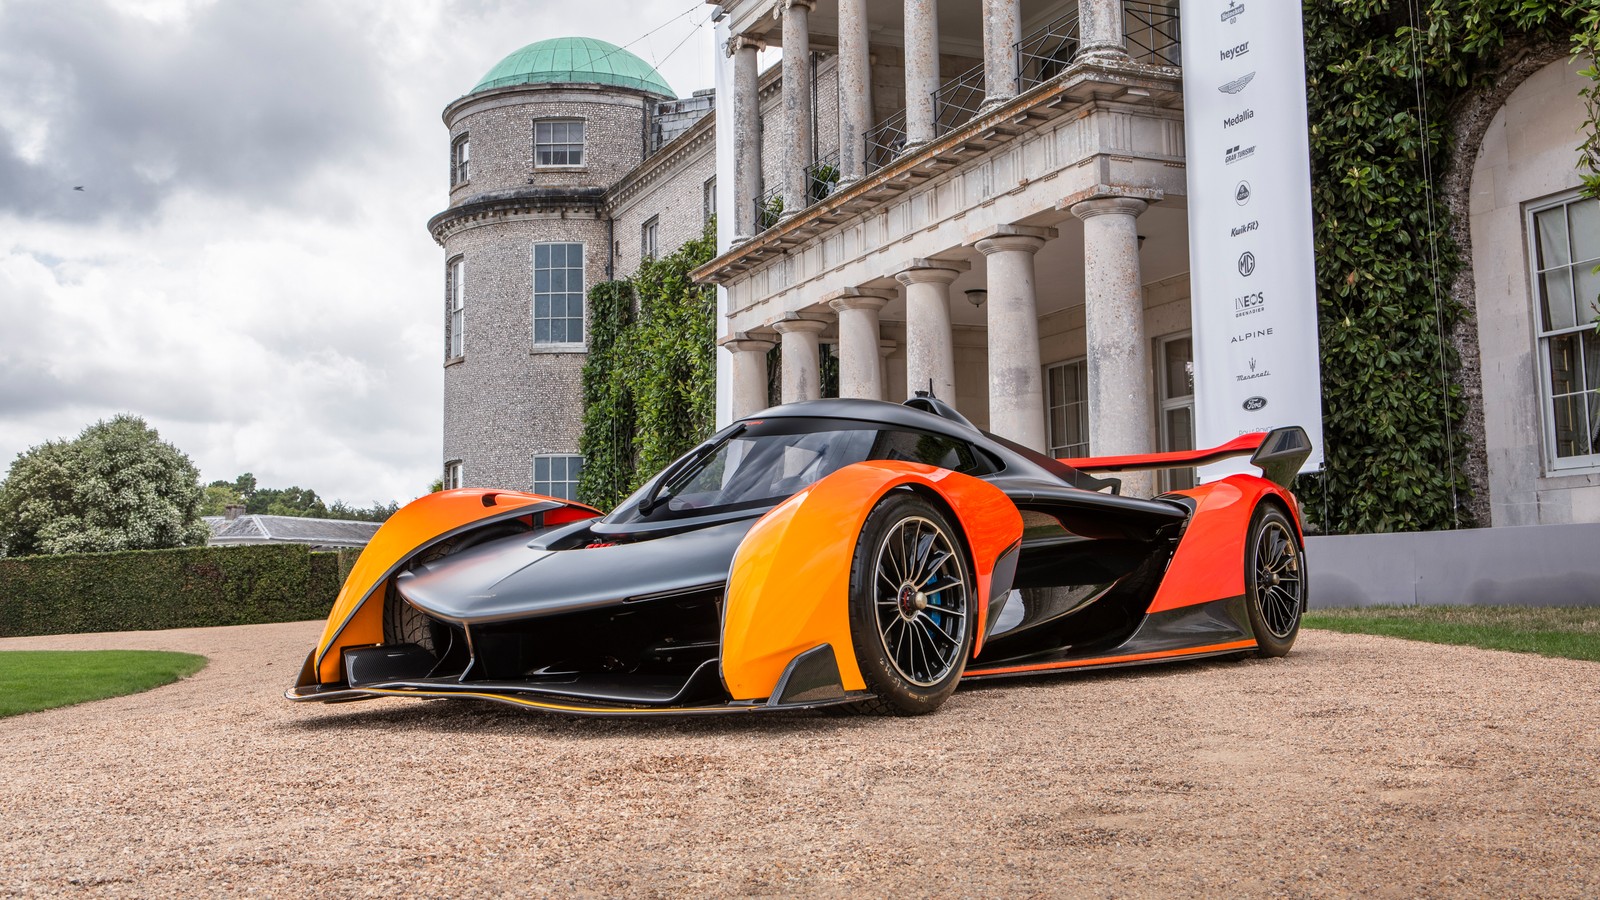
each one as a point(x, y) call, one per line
point(247, 265)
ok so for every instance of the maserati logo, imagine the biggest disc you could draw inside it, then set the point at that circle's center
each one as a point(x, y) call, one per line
point(1252, 363)
point(1247, 264)
point(1238, 84)
point(1241, 194)
point(1254, 403)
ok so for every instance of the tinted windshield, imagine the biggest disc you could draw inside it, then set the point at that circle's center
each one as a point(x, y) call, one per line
point(772, 459)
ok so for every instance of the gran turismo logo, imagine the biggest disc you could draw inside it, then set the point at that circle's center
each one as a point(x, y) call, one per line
point(1249, 304)
point(1241, 194)
point(1238, 152)
point(1238, 84)
point(1232, 52)
point(1255, 403)
point(1233, 12)
point(1247, 264)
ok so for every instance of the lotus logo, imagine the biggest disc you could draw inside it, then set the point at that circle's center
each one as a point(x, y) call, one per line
point(1241, 194)
point(1254, 403)
point(1247, 264)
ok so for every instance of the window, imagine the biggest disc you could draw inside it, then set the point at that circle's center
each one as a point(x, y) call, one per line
point(452, 475)
point(460, 156)
point(557, 293)
point(649, 238)
point(456, 303)
point(1175, 356)
point(935, 450)
point(558, 142)
point(1067, 397)
point(708, 200)
point(1565, 239)
point(557, 476)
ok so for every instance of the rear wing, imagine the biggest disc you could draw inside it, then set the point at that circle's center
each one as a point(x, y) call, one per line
point(1278, 453)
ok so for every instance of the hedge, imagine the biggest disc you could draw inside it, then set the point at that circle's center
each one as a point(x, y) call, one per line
point(154, 589)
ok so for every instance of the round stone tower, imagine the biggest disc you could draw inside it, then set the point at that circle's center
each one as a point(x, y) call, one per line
point(534, 146)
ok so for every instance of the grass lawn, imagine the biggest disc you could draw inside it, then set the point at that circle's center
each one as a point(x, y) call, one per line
point(1572, 632)
point(44, 679)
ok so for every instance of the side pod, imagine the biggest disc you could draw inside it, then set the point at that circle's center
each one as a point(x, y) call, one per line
point(789, 585)
point(1209, 562)
point(420, 524)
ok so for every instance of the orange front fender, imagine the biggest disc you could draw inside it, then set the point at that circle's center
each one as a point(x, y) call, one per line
point(1209, 562)
point(789, 585)
point(354, 622)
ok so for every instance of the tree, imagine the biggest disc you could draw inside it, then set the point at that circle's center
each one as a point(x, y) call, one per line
point(218, 497)
point(117, 486)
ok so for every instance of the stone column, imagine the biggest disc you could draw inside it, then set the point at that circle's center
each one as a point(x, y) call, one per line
point(746, 135)
point(886, 349)
point(749, 372)
point(922, 68)
point(801, 378)
point(797, 103)
point(1100, 29)
point(855, 90)
point(860, 369)
point(930, 347)
point(1016, 385)
point(1113, 306)
point(1002, 25)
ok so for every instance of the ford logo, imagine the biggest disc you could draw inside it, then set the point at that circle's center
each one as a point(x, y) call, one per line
point(1254, 403)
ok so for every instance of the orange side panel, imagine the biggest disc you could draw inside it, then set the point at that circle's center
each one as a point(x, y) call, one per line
point(353, 621)
point(1115, 660)
point(1209, 562)
point(789, 585)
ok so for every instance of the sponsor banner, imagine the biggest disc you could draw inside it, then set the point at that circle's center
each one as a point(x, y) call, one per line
point(1252, 273)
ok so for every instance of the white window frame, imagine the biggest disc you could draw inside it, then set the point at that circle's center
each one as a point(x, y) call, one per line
point(1582, 328)
point(650, 238)
point(454, 476)
point(565, 144)
point(460, 160)
point(1061, 451)
point(547, 486)
point(1172, 479)
point(456, 308)
point(582, 292)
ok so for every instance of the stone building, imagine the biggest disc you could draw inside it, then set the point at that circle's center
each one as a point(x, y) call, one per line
point(988, 197)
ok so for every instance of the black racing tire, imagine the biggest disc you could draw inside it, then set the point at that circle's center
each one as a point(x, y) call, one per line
point(1274, 580)
point(911, 644)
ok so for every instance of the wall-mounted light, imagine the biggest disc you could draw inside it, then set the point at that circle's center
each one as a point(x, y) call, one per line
point(976, 296)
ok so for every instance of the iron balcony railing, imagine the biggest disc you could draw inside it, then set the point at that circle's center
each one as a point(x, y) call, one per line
point(1152, 34)
point(1046, 52)
point(958, 101)
point(822, 177)
point(886, 141)
point(768, 209)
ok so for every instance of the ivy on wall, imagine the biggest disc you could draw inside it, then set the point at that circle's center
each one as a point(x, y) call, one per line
point(649, 385)
point(1392, 410)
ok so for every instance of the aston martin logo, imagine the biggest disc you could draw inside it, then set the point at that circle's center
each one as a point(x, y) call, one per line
point(1237, 85)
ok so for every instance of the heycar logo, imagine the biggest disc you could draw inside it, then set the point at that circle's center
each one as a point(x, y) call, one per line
point(1238, 84)
point(1254, 403)
point(1240, 119)
point(1246, 228)
point(1249, 304)
point(1240, 50)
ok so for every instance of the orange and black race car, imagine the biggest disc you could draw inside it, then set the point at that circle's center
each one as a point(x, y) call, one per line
point(832, 552)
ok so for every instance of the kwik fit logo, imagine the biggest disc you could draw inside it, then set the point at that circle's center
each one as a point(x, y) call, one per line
point(1239, 119)
point(1232, 52)
point(1233, 12)
point(1245, 229)
point(1249, 304)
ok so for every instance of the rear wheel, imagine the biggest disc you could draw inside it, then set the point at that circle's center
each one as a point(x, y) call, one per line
point(911, 609)
point(1274, 578)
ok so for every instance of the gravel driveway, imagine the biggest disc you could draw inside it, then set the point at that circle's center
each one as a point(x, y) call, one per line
point(1356, 765)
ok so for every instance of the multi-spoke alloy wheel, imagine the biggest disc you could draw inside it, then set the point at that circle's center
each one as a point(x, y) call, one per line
point(910, 605)
point(921, 601)
point(1275, 581)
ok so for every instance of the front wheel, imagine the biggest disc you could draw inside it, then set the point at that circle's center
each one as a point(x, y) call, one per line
point(1274, 581)
point(911, 606)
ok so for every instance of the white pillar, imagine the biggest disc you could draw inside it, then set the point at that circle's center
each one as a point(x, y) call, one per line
point(886, 349)
point(797, 103)
point(749, 372)
point(1100, 29)
point(860, 370)
point(801, 378)
point(1016, 386)
point(922, 68)
point(746, 133)
point(855, 89)
point(1002, 25)
point(1119, 367)
point(930, 346)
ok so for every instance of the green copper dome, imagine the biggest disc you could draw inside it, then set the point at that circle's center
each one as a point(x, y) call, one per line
point(574, 60)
